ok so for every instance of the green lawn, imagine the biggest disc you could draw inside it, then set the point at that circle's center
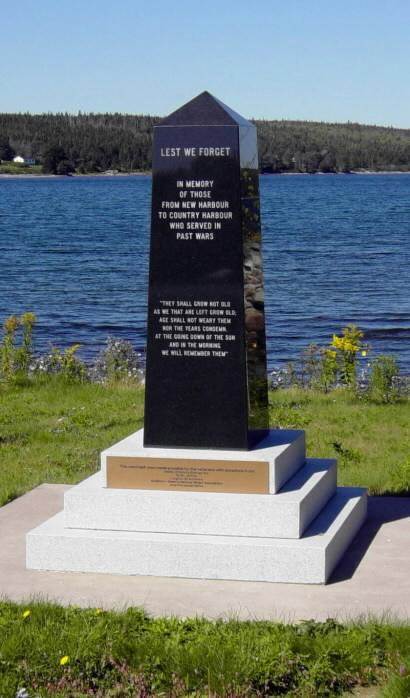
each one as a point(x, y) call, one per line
point(129, 654)
point(14, 168)
point(53, 431)
point(370, 441)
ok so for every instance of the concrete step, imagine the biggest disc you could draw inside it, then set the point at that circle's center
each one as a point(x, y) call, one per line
point(308, 560)
point(281, 451)
point(283, 515)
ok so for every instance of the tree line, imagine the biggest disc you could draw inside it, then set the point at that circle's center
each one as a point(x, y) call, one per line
point(65, 143)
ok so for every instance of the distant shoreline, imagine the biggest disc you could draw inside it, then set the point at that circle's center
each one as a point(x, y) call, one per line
point(28, 175)
point(350, 172)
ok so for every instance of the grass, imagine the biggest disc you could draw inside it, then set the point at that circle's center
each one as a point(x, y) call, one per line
point(18, 169)
point(371, 441)
point(129, 654)
point(53, 431)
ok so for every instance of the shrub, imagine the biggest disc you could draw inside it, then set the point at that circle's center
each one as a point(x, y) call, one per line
point(15, 357)
point(8, 347)
point(347, 346)
point(319, 368)
point(402, 385)
point(118, 361)
point(27, 322)
point(382, 386)
point(310, 362)
point(283, 377)
point(62, 362)
point(326, 368)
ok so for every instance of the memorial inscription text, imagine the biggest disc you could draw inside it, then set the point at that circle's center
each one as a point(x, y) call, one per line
point(188, 475)
point(206, 342)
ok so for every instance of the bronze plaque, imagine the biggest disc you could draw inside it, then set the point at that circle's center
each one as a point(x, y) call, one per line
point(188, 475)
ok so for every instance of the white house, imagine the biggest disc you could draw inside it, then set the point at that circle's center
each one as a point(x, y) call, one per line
point(24, 161)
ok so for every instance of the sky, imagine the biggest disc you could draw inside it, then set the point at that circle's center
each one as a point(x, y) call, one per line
point(321, 60)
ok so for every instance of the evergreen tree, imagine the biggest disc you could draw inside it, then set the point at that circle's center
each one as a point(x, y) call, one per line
point(53, 157)
point(6, 151)
point(97, 142)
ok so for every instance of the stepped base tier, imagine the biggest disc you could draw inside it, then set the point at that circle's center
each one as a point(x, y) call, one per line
point(275, 456)
point(296, 530)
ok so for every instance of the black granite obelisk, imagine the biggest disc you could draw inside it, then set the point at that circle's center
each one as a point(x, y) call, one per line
point(206, 384)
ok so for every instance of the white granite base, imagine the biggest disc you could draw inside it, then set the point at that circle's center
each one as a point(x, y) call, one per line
point(283, 449)
point(308, 560)
point(286, 514)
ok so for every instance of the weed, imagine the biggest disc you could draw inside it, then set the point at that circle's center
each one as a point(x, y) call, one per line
point(382, 387)
point(399, 476)
point(118, 361)
point(15, 357)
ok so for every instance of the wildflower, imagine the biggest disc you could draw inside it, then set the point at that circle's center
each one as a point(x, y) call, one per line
point(22, 693)
point(336, 341)
point(28, 319)
point(64, 660)
point(364, 353)
point(27, 613)
point(11, 324)
point(98, 611)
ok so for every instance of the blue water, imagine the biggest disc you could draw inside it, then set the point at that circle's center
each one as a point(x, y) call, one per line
point(336, 250)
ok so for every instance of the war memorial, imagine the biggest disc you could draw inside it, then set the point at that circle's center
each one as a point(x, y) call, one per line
point(206, 489)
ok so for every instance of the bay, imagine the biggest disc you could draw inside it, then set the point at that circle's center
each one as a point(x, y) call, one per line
point(336, 250)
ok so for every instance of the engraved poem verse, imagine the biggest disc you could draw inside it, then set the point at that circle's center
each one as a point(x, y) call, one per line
point(197, 328)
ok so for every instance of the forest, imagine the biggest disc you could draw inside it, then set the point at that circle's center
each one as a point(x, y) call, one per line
point(85, 143)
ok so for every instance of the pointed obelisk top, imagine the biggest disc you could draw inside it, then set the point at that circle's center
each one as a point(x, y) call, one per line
point(205, 110)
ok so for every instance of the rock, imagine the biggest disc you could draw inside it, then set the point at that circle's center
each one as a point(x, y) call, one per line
point(254, 320)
